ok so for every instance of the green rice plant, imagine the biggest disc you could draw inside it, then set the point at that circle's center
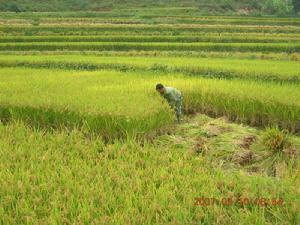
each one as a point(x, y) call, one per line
point(146, 29)
point(279, 56)
point(245, 103)
point(76, 131)
point(81, 14)
point(152, 38)
point(96, 102)
point(170, 20)
point(51, 98)
point(64, 177)
point(267, 70)
point(149, 46)
point(228, 20)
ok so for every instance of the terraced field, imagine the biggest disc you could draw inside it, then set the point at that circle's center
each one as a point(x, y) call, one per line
point(84, 137)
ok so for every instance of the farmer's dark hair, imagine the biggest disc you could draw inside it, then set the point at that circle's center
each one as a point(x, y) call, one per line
point(159, 86)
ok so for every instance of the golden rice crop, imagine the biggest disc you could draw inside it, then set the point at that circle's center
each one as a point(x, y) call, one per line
point(119, 103)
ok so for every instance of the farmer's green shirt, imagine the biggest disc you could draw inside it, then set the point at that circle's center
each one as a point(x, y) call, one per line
point(172, 95)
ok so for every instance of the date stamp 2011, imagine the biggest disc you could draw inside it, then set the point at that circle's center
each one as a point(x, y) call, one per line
point(242, 201)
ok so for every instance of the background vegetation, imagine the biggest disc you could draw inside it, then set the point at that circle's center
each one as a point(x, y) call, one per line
point(254, 7)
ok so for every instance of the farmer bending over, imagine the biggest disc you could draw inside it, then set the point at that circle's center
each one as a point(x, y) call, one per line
point(174, 98)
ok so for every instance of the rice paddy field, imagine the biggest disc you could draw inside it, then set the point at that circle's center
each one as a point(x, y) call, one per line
point(85, 138)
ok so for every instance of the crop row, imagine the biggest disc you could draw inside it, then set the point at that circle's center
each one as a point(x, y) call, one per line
point(81, 14)
point(149, 46)
point(130, 13)
point(154, 20)
point(258, 35)
point(195, 20)
point(229, 18)
point(96, 102)
point(152, 38)
point(116, 105)
point(280, 71)
point(278, 56)
point(137, 28)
